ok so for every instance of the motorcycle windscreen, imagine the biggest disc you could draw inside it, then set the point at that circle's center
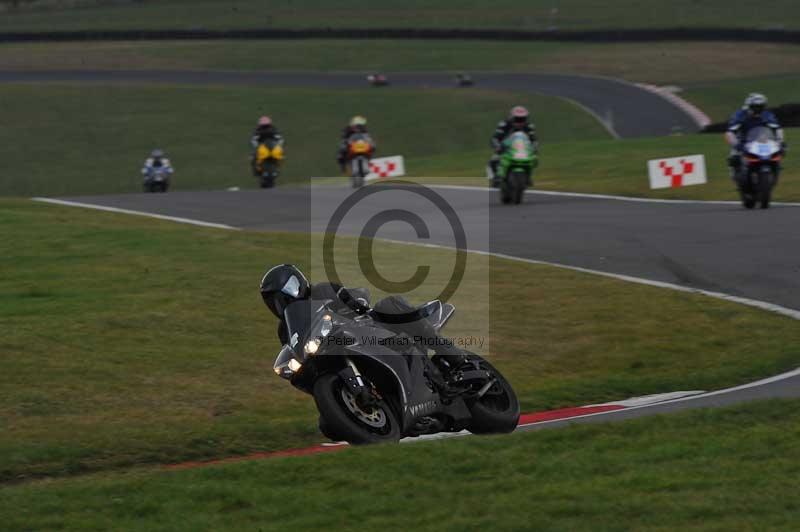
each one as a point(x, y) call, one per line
point(300, 316)
point(761, 134)
point(520, 147)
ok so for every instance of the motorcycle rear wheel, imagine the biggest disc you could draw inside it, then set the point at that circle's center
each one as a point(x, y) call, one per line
point(343, 418)
point(497, 411)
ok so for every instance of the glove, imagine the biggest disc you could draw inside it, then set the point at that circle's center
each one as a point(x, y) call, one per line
point(783, 148)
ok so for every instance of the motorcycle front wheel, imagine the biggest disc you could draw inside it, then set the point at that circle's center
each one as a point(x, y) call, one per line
point(765, 189)
point(342, 416)
point(519, 181)
point(497, 411)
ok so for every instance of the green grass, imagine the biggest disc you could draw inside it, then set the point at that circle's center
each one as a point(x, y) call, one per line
point(711, 470)
point(720, 100)
point(81, 139)
point(666, 63)
point(570, 14)
point(131, 341)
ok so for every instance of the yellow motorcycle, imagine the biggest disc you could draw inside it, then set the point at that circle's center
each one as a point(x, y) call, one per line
point(359, 152)
point(269, 155)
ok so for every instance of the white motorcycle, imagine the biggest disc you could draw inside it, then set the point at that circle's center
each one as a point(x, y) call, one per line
point(761, 164)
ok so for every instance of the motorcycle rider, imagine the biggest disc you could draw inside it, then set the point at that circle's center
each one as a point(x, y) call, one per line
point(518, 120)
point(265, 131)
point(285, 284)
point(753, 114)
point(357, 124)
point(157, 159)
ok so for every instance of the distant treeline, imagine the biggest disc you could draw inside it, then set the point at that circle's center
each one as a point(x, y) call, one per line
point(608, 35)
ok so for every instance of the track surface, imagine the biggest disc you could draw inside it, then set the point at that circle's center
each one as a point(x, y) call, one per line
point(716, 247)
point(629, 110)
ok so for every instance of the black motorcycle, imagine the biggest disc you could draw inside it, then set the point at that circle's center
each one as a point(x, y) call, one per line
point(373, 385)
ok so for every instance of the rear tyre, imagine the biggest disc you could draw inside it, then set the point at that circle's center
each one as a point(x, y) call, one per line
point(498, 410)
point(342, 418)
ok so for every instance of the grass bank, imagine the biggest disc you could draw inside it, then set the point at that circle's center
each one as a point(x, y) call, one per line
point(731, 469)
point(720, 100)
point(82, 139)
point(569, 14)
point(132, 341)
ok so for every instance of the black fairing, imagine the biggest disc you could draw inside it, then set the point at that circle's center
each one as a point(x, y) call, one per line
point(398, 369)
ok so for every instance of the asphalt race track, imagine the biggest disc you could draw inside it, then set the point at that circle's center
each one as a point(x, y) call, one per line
point(633, 112)
point(716, 247)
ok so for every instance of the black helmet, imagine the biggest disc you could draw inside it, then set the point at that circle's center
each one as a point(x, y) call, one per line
point(282, 285)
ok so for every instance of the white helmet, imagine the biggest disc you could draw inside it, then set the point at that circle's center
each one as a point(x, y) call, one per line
point(755, 102)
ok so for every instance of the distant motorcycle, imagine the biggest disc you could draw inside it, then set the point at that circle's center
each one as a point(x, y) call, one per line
point(378, 80)
point(269, 155)
point(464, 80)
point(517, 162)
point(360, 148)
point(371, 385)
point(156, 178)
point(761, 160)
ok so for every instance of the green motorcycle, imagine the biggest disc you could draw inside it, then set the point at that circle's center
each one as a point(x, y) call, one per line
point(517, 163)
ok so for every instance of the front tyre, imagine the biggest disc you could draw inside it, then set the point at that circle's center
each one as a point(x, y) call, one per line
point(765, 182)
point(519, 181)
point(342, 415)
point(497, 411)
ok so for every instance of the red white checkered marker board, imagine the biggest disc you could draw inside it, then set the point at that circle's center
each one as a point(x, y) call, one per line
point(384, 167)
point(677, 171)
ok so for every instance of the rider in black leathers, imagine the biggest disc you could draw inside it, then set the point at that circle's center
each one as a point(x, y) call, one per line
point(285, 283)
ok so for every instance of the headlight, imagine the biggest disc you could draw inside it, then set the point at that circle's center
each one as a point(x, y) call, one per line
point(312, 346)
point(286, 364)
point(322, 330)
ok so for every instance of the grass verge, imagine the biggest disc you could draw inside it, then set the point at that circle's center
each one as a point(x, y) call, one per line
point(569, 14)
point(691, 471)
point(720, 100)
point(662, 63)
point(132, 341)
point(84, 139)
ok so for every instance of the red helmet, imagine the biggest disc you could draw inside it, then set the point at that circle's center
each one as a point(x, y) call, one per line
point(264, 121)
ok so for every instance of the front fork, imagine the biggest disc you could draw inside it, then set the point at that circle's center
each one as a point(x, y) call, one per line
point(354, 382)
